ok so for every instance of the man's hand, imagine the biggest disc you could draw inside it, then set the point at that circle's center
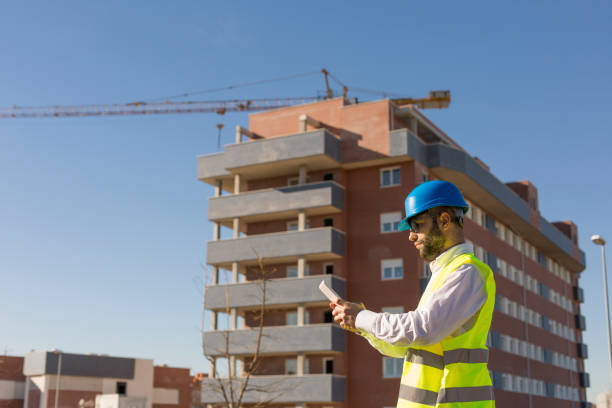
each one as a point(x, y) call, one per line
point(345, 313)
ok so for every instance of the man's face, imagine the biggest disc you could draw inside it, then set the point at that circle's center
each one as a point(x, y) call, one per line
point(427, 237)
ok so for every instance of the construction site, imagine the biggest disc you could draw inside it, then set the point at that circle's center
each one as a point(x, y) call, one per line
point(315, 192)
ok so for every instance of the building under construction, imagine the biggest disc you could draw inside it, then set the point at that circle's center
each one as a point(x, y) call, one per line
point(315, 192)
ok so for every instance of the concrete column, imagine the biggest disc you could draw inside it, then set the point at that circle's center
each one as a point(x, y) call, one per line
point(300, 364)
point(233, 319)
point(236, 228)
point(216, 231)
point(305, 120)
point(237, 183)
point(301, 267)
point(234, 272)
point(301, 314)
point(212, 371)
point(232, 366)
point(44, 393)
point(238, 134)
point(219, 188)
point(301, 220)
point(302, 175)
point(26, 397)
point(303, 124)
point(213, 321)
point(240, 131)
point(215, 275)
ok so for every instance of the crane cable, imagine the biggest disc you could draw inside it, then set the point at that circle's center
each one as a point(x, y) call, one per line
point(364, 90)
point(242, 85)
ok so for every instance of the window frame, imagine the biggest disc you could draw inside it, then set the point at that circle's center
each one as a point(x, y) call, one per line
point(394, 263)
point(394, 223)
point(324, 364)
point(391, 180)
point(294, 266)
point(297, 226)
point(395, 374)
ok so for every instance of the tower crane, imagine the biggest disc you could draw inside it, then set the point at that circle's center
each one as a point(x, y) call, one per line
point(435, 99)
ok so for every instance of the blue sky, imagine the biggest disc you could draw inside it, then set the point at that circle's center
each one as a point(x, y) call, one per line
point(102, 221)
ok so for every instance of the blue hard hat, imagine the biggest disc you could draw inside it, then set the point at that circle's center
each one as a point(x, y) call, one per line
point(436, 193)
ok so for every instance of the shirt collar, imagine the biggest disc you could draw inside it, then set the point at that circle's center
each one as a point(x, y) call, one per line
point(447, 256)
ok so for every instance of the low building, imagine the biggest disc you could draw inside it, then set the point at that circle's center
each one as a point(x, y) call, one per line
point(12, 382)
point(88, 380)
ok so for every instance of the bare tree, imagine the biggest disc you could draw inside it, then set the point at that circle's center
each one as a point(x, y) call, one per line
point(236, 386)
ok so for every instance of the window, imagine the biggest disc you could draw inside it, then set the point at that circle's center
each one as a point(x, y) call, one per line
point(292, 271)
point(328, 222)
point(501, 230)
point(492, 261)
point(121, 388)
point(393, 309)
point(392, 269)
point(392, 367)
point(328, 365)
point(329, 268)
point(328, 317)
point(479, 252)
point(477, 215)
point(292, 318)
point(490, 224)
point(389, 222)
point(293, 225)
point(503, 268)
point(390, 177)
point(543, 290)
point(291, 366)
point(541, 259)
point(424, 279)
point(328, 176)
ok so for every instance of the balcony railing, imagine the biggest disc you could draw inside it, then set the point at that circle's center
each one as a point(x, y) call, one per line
point(317, 388)
point(279, 292)
point(318, 150)
point(276, 203)
point(313, 244)
point(275, 340)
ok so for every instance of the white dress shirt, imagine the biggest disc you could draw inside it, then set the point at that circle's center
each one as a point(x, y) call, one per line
point(450, 310)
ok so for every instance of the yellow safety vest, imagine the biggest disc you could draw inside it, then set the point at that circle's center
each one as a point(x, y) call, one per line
point(452, 373)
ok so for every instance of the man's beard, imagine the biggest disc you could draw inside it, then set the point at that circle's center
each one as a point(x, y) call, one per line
point(433, 245)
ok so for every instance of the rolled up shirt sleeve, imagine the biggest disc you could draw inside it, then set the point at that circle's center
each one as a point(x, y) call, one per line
point(449, 307)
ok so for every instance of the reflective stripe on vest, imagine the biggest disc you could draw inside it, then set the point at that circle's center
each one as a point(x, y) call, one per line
point(453, 372)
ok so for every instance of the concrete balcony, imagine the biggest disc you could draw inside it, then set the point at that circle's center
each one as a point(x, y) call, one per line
point(279, 292)
point(278, 156)
point(316, 388)
point(212, 167)
point(277, 203)
point(313, 244)
point(313, 338)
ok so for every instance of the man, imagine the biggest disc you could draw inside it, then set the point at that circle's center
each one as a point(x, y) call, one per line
point(443, 340)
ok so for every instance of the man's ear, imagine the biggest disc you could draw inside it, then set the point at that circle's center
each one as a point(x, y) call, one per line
point(444, 221)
